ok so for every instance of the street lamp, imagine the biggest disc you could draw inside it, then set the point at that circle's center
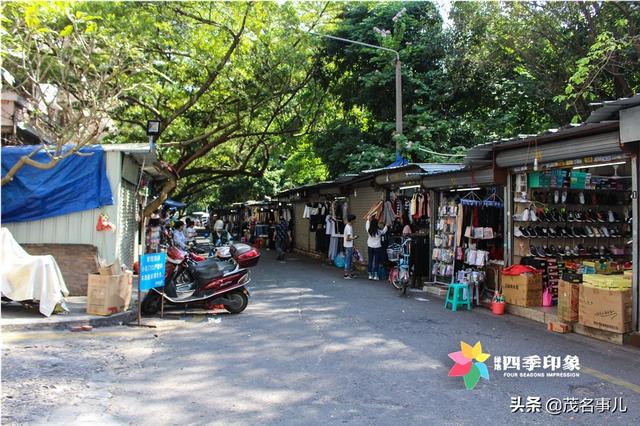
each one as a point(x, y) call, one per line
point(398, 79)
point(153, 129)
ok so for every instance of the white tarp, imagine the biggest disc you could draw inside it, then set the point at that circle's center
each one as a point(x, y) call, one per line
point(25, 277)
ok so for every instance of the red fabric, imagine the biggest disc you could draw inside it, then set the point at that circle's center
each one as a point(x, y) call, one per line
point(520, 269)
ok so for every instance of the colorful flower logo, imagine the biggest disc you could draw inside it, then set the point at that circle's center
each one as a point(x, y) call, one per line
point(465, 366)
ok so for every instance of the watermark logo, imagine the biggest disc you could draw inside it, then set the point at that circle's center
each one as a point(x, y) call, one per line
point(469, 363)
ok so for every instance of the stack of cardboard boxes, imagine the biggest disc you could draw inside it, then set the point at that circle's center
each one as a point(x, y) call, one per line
point(522, 290)
point(109, 290)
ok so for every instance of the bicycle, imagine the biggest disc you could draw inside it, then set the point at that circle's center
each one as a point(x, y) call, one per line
point(399, 254)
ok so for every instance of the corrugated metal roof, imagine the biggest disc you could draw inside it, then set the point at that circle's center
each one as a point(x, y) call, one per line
point(557, 134)
point(609, 109)
point(479, 154)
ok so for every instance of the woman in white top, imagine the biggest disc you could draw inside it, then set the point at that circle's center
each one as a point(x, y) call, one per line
point(374, 245)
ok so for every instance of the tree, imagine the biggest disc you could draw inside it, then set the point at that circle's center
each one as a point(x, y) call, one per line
point(59, 60)
point(228, 81)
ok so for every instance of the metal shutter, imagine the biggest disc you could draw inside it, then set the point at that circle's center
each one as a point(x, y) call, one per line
point(127, 224)
point(359, 205)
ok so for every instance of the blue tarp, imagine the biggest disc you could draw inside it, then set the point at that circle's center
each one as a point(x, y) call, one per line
point(174, 203)
point(400, 161)
point(76, 183)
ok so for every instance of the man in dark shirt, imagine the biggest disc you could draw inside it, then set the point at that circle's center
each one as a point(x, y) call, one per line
point(282, 237)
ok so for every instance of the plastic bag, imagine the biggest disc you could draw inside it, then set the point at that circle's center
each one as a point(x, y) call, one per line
point(339, 260)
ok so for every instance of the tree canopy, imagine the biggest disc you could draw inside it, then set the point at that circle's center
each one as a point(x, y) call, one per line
point(250, 102)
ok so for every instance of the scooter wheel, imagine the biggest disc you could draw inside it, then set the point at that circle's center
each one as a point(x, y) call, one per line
point(151, 303)
point(238, 302)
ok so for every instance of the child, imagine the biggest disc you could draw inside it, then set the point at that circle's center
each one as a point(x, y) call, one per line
point(374, 246)
point(348, 247)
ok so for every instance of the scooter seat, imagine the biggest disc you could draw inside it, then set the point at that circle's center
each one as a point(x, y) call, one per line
point(207, 271)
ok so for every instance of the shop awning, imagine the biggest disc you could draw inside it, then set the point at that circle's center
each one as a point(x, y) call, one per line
point(465, 178)
point(174, 204)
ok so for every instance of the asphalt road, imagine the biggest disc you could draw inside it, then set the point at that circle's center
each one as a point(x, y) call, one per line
point(311, 349)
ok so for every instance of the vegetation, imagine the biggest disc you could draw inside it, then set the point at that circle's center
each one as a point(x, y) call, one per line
point(251, 103)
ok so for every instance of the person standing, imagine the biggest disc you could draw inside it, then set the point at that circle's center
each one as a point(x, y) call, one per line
point(190, 232)
point(154, 234)
point(374, 246)
point(282, 237)
point(348, 239)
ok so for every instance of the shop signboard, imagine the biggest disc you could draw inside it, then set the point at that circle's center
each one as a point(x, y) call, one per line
point(152, 270)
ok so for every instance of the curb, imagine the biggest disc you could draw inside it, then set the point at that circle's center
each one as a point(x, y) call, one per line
point(111, 320)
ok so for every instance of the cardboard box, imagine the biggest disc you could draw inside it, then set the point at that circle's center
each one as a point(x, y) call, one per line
point(568, 301)
point(558, 327)
point(104, 269)
point(109, 294)
point(522, 290)
point(605, 309)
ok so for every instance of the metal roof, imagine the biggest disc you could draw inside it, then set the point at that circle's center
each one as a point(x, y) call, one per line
point(551, 135)
point(609, 109)
point(480, 154)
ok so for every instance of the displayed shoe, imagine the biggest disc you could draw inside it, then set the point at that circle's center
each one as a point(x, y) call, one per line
point(576, 251)
point(581, 232)
point(552, 250)
point(563, 231)
point(541, 251)
point(563, 197)
point(556, 197)
point(537, 196)
point(610, 217)
point(553, 233)
point(525, 214)
point(517, 232)
point(600, 217)
point(616, 217)
point(567, 251)
point(570, 217)
point(532, 215)
point(581, 250)
point(580, 216)
point(555, 215)
point(532, 232)
point(532, 251)
point(601, 251)
point(563, 216)
point(605, 232)
point(581, 197)
point(540, 232)
point(596, 232)
point(590, 233)
point(588, 216)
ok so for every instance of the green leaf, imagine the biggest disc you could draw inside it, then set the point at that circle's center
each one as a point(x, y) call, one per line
point(66, 31)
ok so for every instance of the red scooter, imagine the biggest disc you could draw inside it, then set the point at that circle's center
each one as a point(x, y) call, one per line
point(193, 281)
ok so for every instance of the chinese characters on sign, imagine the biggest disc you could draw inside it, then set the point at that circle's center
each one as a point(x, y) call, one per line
point(556, 406)
point(152, 270)
point(537, 366)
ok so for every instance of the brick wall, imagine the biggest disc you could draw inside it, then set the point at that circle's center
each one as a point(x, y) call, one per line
point(75, 262)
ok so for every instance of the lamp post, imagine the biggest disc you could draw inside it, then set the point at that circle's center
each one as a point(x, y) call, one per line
point(153, 130)
point(398, 79)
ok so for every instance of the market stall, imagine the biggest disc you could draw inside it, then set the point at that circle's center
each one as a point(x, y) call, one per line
point(570, 198)
point(467, 232)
